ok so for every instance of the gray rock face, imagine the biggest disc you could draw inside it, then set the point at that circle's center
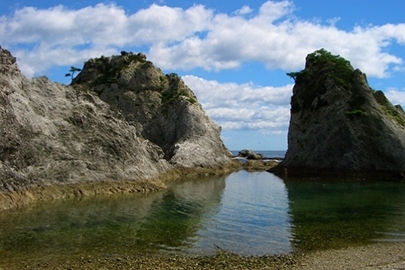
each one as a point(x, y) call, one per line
point(339, 123)
point(52, 133)
point(160, 107)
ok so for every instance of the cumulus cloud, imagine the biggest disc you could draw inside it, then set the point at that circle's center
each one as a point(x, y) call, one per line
point(244, 106)
point(42, 38)
point(196, 37)
point(244, 10)
point(396, 96)
point(199, 37)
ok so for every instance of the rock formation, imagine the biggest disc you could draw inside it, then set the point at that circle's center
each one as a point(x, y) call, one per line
point(338, 123)
point(250, 154)
point(122, 118)
point(161, 107)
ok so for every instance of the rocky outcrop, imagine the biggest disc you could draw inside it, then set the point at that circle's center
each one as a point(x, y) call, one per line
point(161, 107)
point(56, 134)
point(250, 154)
point(338, 123)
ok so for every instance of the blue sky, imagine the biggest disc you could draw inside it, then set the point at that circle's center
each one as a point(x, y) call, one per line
point(233, 54)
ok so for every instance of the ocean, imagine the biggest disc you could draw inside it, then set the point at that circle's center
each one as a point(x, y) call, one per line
point(265, 153)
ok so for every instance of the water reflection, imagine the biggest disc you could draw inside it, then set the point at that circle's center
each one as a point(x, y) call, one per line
point(251, 219)
point(246, 213)
point(105, 225)
point(333, 214)
point(127, 224)
point(176, 218)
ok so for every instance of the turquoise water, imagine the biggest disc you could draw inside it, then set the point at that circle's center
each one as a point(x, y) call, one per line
point(246, 213)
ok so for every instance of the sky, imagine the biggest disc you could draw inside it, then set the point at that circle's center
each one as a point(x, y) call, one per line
point(234, 55)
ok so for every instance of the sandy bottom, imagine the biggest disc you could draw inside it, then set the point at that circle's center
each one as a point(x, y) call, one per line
point(375, 256)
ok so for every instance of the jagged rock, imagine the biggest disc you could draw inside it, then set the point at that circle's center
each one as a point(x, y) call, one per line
point(253, 165)
point(250, 154)
point(160, 107)
point(338, 123)
point(52, 133)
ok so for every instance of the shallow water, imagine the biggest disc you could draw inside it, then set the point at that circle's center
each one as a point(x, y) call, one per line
point(246, 213)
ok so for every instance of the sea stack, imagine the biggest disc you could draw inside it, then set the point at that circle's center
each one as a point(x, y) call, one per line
point(339, 124)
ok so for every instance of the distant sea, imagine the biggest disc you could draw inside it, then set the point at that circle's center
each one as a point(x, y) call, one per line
point(265, 153)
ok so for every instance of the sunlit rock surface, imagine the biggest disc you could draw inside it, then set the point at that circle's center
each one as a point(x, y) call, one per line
point(121, 118)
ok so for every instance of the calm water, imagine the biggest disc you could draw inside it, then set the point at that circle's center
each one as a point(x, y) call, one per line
point(246, 213)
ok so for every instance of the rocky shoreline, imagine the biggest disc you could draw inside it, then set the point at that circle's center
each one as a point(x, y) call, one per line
point(31, 195)
point(252, 161)
point(60, 142)
point(374, 256)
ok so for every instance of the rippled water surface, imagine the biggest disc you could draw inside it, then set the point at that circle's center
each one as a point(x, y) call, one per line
point(246, 213)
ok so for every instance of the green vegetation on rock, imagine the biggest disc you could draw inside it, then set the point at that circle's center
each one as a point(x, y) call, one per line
point(174, 91)
point(338, 122)
point(72, 72)
point(355, 112)
point(110, 73)
point(324, 71)
point(335, 66)
point(395, 113)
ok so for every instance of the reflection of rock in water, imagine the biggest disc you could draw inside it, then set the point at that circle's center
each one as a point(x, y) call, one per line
point(102, 224)
point(117, 224)
point(176, 218)
point(206, 190)
point(340, 214)
point(251, 219)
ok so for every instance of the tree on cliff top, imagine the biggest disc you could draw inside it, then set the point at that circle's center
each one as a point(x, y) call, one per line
point(72, 72)
point(320, 57)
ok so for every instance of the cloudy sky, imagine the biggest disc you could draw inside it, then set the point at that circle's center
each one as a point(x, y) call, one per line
point(233, 54)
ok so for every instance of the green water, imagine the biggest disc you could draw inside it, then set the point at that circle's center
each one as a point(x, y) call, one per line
point(246, 213)
point(338, 214)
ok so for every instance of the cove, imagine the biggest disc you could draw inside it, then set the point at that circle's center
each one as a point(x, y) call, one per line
point(245, 213)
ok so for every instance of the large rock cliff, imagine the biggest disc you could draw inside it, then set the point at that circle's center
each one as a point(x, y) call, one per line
point(53, 134)
point(339, 124)
point(161, 107)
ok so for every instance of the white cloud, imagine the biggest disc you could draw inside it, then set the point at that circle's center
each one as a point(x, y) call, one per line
point(273, 10)
point(48, 37)
point(244, 10)
point(396, 96)
point(280, 45)
point(199, 37)
point(243, 106)
point(196, 37)
point(167, 24)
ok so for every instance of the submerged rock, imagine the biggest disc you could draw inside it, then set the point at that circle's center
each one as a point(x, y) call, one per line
point(338, 123)
point(120, 119)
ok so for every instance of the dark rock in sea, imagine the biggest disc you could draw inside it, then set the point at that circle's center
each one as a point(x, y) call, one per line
point(339, 124)
point(250, 154)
